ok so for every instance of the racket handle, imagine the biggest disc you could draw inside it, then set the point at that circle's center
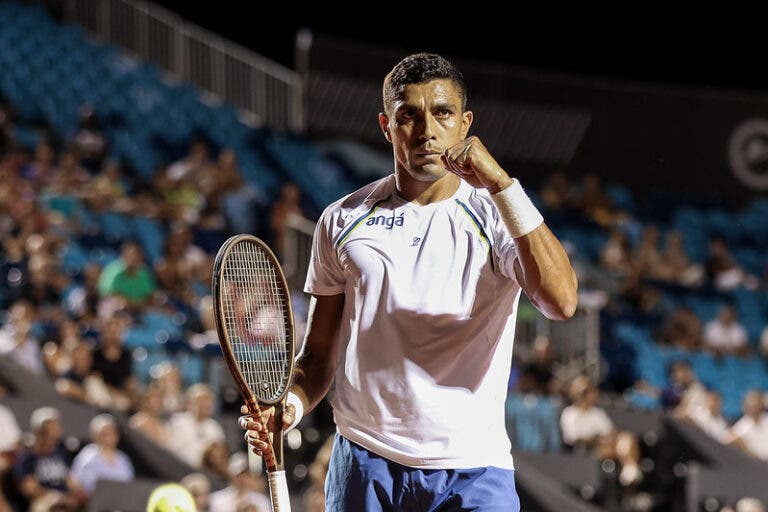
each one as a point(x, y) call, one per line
point(278, 491)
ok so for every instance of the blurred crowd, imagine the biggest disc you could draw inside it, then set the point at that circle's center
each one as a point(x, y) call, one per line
point(92, 256)
point(636, 272)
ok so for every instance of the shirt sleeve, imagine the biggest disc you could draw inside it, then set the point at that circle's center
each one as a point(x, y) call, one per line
point(325, 275)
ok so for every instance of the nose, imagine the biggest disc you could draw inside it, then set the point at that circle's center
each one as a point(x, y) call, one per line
point(428, 128)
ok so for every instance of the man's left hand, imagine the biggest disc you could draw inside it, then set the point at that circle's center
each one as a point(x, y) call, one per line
point(471, 161)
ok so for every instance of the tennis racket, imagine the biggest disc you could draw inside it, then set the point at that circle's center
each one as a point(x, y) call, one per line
point(254, 321)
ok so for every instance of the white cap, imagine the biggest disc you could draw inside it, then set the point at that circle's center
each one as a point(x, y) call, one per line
point(41, 416)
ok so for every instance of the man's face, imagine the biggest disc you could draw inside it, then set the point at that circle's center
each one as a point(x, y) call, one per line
point(425, 120)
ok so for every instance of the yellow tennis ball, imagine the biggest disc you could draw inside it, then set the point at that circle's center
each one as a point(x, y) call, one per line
point(171, 498)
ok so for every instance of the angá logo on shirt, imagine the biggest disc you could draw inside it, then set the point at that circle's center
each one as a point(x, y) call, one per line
point(387, 222)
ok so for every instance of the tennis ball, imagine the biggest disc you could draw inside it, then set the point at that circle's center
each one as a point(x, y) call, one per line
point(171, 498)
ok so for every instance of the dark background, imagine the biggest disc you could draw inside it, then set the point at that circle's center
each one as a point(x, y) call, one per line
point(637, 42)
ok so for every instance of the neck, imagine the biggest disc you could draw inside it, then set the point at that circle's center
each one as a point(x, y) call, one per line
point(426, 192)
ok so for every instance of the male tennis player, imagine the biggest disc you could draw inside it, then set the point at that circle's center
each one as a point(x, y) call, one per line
point(415, 281)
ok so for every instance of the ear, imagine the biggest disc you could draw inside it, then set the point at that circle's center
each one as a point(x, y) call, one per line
point(466, 122)
point(384, 124)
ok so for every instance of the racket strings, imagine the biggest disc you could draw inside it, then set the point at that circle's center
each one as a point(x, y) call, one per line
point(255, 312)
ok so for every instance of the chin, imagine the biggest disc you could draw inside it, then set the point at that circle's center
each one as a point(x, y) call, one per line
point(429, 172)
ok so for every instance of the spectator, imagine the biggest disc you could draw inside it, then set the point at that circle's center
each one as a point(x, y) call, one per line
point(89, 143)
point(149, 418)
point(709, 417)
point(17, 342)
point(193, 430)
point(684, 392)
point(682, 329)
point(245, 489)
point(114, 364)
point(200, 488)
point(586, 427)
point(646, 257)
point(764, 342)
point(750, 433)
point(616, 255)
point(675, 266)
point(101, 460)
point(42, 472)
point(241, 202)
point(169, 383)
point(594, 203)
point(10, 442)
point(288, 204)
point(128, 276)
point(725, 335)
point(558, 194)
point(197, 159)
point(539, 371)
point(80, 383)
point(216, 459)
point(722, 269)
point(42, 169)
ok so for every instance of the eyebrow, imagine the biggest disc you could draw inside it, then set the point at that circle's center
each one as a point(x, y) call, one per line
point(437, 106)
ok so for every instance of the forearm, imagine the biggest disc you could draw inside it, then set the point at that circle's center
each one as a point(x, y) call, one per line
point(312, 379)
point(546, 274)
point(542, 267)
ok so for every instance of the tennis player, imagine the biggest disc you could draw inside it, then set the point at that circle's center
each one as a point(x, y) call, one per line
point(415, 281)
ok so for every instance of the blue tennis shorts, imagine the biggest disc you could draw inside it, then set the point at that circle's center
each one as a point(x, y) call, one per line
point(361, 481)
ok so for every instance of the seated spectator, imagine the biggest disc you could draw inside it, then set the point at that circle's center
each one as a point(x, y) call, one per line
point(646, 258)
point(558, 194)
point(10, 443)
point(197, 159)
point(42, 471)
point(216, 459)
point(241, 202)
point(684, 392)
point(128, 276)
point(616, 254)
point(70, 175)
point(245, 489)
point(539, 370)
point(42, 169)
point(709, 417)
point(750, 433)
point(80, 382)
point(169, 383)
point(89, 142)
point(288, 204)
point(764, 342)
point(114, 364)
point(193, 430)
point(594, 202)
point(722, 269)
point(681, 329)
point(725, 335)
point(200, 488)
point(675, 266)
point(18, 343)
point(101, 460)
point(586, 427)
point(149, 418)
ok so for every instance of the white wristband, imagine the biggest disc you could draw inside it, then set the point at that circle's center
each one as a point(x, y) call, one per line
point(293, 399)
point(516, 209)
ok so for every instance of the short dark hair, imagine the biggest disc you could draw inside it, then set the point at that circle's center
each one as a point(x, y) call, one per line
point(417, 69)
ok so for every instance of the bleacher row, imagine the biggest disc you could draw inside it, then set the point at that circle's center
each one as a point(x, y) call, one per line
point(48, 71)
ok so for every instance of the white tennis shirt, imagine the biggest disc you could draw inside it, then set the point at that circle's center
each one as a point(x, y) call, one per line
point(428, 324)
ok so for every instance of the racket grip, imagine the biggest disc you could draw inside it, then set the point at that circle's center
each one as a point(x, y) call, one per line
point(278, 491)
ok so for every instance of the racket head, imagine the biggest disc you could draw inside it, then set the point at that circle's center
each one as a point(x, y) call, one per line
point(254, 319)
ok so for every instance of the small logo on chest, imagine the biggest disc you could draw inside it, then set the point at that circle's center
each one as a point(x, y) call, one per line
point(416, 241)
point(387, 222)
